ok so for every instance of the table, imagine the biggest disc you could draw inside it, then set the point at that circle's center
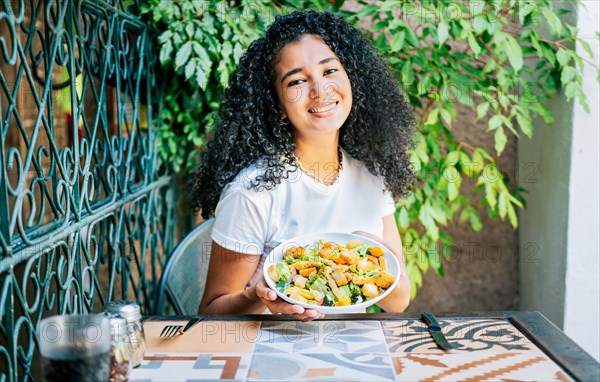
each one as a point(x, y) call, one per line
point(508, 346)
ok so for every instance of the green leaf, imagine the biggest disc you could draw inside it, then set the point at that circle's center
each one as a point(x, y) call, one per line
point(502, 205)
point(480, 24)
point(512, 216)
point(582, 99)
point(464, 158)
point(482, 109)
point(453, 190)
point(514, 53)
point(525, 124)
point(473, 44)
point(201, 79)
point(374, 309)
point(475, 222)
point(586, 47)
point(576, 58)
point(183, 55)
point(189, 69)
point(416, 280)
point(446, 116)
point(223, 74)
point(478, 162)
point(412, 38)
point(452, 158)
point(490, 195)
point(189, 30)
point(434, 260)
point(568, 74)
point(563, 57)
point(381, 43)
point(202, 55)
point(237, 52)
point(166, 51)
point(426, 218)
point(379, 26)
point(408, 74)
point(554, 23)
point(465, 214)
point(432, 118)
point(422, 260)
point(550, 84)
point(403, 219)
point(495, 122)
point(397, 41)
point(442, 32)
point(500, 140)
point(570, 90)
point(421, 152)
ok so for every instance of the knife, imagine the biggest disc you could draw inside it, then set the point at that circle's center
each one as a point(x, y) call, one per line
point(434, 328)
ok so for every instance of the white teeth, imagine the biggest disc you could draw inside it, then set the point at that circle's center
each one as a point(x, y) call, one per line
point(324, 108)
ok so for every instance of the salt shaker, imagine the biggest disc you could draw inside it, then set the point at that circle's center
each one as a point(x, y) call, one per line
point(131, 312)
point(121, 352)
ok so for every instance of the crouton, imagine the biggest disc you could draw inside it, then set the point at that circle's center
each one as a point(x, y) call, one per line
point(348, 257)
point(384, 280)
point(376, 251)
point(370, 290)
point(307, 272)
point(353, 244)
point(362, 280)
point(306, 264)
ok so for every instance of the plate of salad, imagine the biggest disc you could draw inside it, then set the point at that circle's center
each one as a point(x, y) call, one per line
point(332, 272)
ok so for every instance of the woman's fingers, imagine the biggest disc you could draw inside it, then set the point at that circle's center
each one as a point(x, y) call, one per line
point(277, 305)
point(264, 292)
point(309, 315)
point(280, 306)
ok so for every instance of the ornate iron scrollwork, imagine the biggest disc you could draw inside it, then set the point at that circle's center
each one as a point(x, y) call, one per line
point(85, 214)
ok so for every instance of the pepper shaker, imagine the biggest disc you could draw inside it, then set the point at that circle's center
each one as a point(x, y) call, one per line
point(121, 352)
point(131, 312)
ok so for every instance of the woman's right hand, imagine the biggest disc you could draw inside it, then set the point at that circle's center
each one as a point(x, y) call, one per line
point(278, 305)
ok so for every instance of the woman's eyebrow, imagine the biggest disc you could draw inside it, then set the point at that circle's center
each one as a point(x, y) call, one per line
point(298, 70)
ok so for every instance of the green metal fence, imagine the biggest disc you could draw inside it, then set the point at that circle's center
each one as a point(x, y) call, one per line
point(85, 211)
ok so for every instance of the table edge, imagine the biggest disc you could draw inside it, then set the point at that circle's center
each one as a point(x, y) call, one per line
point(557, 345)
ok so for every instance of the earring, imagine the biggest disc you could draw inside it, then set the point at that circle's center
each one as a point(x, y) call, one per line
point(284, 121)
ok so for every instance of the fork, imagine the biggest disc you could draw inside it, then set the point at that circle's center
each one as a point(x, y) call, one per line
point(171, 331)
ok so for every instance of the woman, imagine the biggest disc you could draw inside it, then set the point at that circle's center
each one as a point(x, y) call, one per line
point(312, 137)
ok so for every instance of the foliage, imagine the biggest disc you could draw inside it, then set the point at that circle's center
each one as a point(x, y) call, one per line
point(445, 55)
point(200, 45)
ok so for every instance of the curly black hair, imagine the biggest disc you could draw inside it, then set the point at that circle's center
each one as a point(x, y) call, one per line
point(378, 131)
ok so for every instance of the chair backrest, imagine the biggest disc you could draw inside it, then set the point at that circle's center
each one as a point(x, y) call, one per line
point(183, 280)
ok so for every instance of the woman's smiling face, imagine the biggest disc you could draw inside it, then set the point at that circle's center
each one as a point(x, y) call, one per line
point(313, 88)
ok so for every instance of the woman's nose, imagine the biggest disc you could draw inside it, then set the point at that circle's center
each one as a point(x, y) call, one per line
point(315, 91)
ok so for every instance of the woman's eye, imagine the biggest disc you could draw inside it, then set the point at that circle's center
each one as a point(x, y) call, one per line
point(329, 71)
point(295, 83)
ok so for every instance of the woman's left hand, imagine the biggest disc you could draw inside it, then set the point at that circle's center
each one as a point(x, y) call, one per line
point(278, 305)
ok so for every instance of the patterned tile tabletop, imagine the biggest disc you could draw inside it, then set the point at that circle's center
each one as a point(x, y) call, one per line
point(399, 350)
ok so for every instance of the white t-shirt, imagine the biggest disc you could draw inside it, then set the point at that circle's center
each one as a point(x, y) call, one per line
point(254, 222)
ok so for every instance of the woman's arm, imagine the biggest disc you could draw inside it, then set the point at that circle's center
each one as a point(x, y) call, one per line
point(399, 299)
point(226, 292)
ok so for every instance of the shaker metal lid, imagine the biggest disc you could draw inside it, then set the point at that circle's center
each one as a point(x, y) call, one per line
point(126, 309)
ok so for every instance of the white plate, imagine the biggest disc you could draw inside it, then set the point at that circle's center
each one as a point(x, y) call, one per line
point(276, 255)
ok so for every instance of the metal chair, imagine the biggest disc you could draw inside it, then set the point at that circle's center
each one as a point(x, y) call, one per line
point(183, 280)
